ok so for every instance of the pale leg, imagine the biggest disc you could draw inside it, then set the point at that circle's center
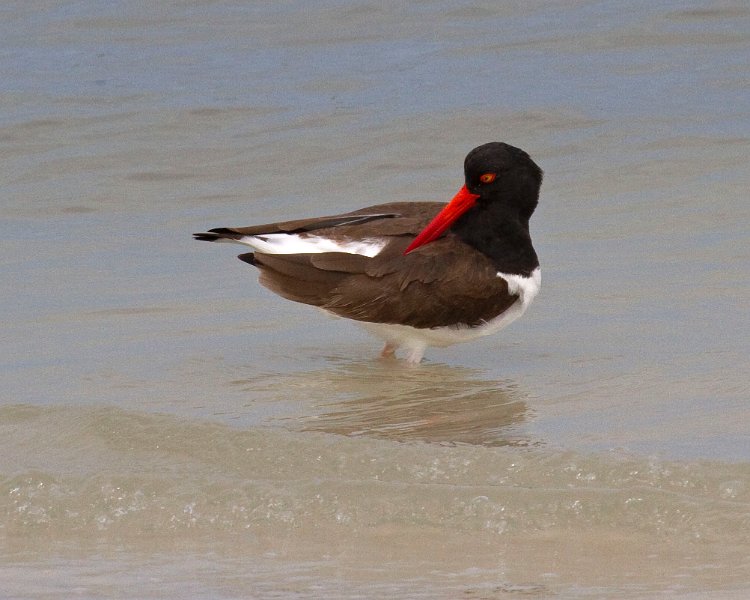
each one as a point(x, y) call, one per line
point(415, 354)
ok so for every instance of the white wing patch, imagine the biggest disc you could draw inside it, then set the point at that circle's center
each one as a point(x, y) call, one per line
point(292, 243)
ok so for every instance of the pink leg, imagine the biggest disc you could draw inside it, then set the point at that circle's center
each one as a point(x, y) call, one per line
point(389, 350)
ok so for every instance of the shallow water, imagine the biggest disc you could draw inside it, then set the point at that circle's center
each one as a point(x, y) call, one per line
point(171, 430)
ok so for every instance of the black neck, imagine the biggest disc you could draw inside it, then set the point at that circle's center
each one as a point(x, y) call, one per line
point(501, 234)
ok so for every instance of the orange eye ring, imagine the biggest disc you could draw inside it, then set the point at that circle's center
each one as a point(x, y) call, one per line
point(487, 177)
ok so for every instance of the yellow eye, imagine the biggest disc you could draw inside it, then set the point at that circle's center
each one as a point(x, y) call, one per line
point(487, 177)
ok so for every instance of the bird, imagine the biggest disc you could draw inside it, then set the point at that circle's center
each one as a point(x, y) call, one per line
point(414, 274)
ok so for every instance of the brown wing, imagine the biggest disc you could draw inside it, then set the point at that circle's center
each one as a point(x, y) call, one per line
point(395, 218)
point(443, 283)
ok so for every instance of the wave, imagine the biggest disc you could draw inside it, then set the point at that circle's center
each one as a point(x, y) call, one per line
point(104, 471)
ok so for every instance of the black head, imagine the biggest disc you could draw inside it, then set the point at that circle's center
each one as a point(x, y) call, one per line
point(501, 173)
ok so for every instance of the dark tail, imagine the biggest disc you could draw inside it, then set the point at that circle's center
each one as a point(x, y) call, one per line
point(249, 258)
point(218, 234)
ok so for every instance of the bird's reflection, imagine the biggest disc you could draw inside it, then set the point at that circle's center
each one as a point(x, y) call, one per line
point(386, 399)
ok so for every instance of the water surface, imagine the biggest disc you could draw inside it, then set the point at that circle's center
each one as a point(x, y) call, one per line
point(170, 429)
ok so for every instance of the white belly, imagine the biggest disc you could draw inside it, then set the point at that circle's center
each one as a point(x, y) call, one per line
point(415, 340)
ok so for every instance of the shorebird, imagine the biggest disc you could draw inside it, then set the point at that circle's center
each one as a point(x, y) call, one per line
point(415, 274)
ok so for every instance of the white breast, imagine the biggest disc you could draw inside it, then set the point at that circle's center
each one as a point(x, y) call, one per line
point(526, 287)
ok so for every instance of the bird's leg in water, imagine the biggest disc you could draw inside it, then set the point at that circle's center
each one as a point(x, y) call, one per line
point(389, 350)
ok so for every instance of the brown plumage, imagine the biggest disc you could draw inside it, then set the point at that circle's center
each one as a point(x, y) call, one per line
point(390, 287)
point(470, 270)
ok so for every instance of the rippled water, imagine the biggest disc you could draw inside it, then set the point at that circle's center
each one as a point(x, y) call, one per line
point(254, 509)
point(169, 429)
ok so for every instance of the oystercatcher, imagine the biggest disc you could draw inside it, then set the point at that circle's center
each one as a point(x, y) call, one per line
point(415, 274)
